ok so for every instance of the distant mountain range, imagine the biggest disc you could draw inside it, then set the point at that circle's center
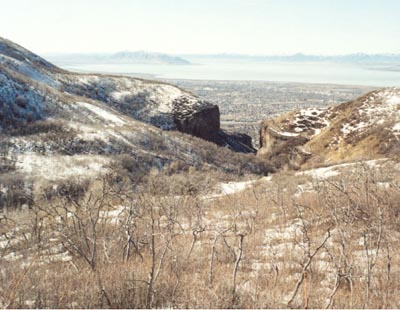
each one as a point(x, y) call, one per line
point(357, 58)
point(144, 57)
point(124, 57)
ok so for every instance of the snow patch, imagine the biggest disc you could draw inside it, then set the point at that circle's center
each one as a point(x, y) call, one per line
point(60, 167)
point(349, 128)
point(393, 100)
point(119, 95)
point(380, 107)
point(328, 172)
point(234, 187)
point(306, 119)
point(230, 188)
point(106, 115)
point(321, 173)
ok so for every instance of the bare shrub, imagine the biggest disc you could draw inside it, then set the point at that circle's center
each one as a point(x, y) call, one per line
point(70, 188)
point(292, 240)
point(15, 191)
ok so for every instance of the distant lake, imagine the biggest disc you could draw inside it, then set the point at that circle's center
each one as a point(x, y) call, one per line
point(325, 73)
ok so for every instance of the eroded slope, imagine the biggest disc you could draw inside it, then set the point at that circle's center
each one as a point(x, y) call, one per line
point(365, 128)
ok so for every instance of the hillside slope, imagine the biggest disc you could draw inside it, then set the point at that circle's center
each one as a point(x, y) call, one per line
point(35, 84)
point(365, 128)
point(55, 124)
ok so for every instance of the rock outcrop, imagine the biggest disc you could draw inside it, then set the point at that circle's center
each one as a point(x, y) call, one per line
point(282, 148)
point(202, 119)
point(199, 118)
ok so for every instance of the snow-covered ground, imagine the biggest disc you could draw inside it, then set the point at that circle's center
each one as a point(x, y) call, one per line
point(306, 120)
point(235, 187)
point(335, 170)
point(380, 107)
point(230, 188)
point(111, 118)
point(55, 167)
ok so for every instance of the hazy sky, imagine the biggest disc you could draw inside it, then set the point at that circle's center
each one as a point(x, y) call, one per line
point(204, 26)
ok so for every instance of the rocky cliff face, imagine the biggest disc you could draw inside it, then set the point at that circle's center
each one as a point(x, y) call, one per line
point(365, 128)
point(202, 119)
point(199, 118)
point(284, 149)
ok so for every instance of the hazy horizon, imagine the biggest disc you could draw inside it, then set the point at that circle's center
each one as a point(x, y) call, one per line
point(178, 27)
point(215, 54)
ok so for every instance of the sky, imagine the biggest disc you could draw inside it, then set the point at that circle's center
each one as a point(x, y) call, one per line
point(256, 27)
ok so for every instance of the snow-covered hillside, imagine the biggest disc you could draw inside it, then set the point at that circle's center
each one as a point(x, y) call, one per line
point(37, 86)
point(151, 102)
point(365, 128)
point(47, 113)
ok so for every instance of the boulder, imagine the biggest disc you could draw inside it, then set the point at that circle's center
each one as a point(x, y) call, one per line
point(200, 118)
